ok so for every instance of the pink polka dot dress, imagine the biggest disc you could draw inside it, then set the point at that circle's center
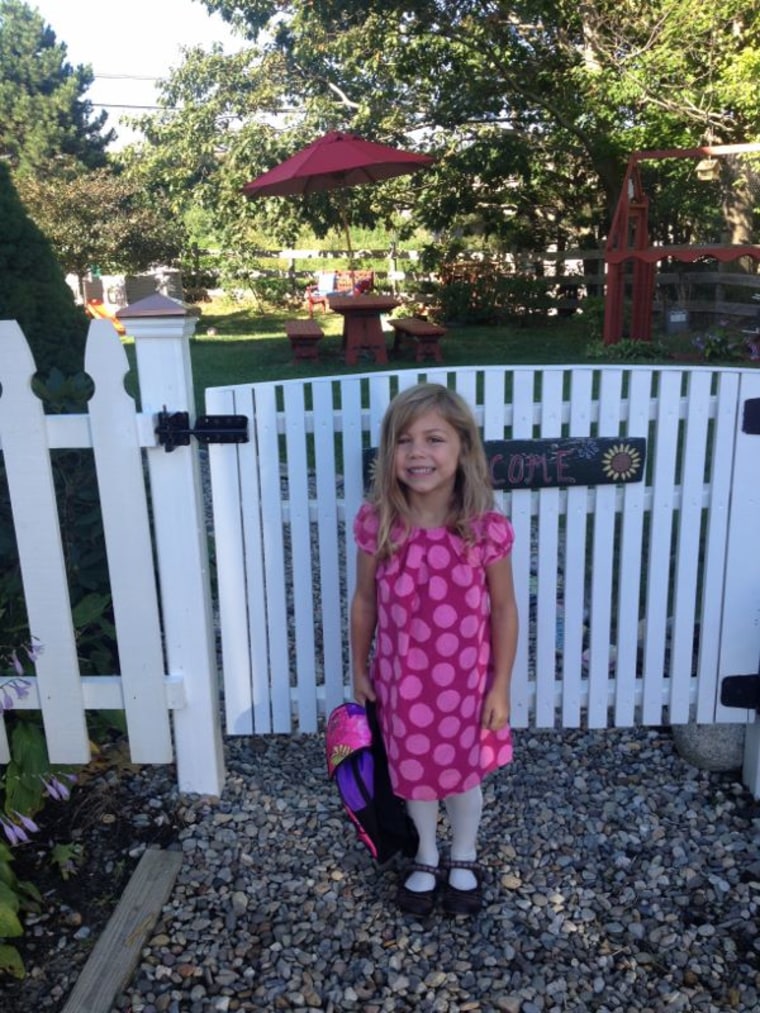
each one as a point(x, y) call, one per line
point(432, 661)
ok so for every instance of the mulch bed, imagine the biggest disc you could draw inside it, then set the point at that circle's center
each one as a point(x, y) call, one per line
point(115, 812)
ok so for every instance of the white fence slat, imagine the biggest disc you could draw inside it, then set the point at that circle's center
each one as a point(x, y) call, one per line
point(438, 376)
point(601, 641)
point(353, 481)
point(660, 541)
point(494, 415)
point(332, 607)
point(722, 476)
point(68, 432)
point(627, 680)
point(38, 537)
point(740, 630)
point(126, 524)
point(380, 391)
point(547, 561)
point(5, 749)
point(230, 552)
point(104, 692)
point(467, 385)
point(278, 621)
point(380, 395)
point(301, 560)
point(574, 581)
point(520, 512)
point(494, 396)
point(255, 555)
point(688, 533)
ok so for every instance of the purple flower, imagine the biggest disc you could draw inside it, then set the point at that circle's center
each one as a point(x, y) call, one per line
point(55, 788)
point(17, 686)
point(14, 832)
point(27, 822)
point(20, 688)
point(19, 668)
point(33, 651)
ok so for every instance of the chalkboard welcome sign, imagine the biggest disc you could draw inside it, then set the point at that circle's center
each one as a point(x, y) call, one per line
point(552, 463)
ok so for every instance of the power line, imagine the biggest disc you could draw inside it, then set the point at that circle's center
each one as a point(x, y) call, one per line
point(125, 105)
point(124, 77)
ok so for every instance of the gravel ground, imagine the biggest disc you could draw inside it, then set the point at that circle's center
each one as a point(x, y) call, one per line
point(617, 878)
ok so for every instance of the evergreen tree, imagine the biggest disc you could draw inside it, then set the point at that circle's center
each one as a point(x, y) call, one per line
point(42, 110)
point(33, 289)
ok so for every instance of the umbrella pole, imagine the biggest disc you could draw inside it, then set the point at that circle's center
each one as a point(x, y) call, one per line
point(347, 230)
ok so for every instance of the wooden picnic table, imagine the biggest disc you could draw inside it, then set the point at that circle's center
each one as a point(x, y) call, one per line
point(362, 329)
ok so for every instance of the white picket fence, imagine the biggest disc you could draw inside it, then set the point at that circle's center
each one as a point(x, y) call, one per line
point(635, 599)
point(167, 684)
point(612, 581)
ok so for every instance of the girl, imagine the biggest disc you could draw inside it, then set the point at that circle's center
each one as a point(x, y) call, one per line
point(434, 592)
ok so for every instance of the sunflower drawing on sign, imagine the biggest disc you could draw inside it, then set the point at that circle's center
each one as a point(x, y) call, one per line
point(621, 462)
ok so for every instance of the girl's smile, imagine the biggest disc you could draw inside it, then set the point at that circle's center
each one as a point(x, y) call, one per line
point(427, 456)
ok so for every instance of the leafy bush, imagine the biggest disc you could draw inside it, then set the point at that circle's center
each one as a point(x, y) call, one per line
point(627, 350)
point(33, 288)
point(492, 297)
point(25, 784)
point(721, 344)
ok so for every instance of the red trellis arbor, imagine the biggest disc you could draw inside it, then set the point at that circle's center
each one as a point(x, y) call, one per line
point(629, 241)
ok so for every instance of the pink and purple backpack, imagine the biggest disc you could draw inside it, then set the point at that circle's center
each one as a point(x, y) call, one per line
point(357, 762)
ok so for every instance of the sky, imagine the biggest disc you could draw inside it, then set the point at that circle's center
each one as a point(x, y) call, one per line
point(130, 44)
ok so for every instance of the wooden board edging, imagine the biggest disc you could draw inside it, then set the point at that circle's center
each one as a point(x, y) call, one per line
point(114, 958)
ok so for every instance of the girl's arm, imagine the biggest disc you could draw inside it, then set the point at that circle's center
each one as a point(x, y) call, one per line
point(363, 622)
point(504, 630)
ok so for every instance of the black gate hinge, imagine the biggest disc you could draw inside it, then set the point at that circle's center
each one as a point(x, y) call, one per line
point(173, 429)
point(751, 416)
point(741, 691)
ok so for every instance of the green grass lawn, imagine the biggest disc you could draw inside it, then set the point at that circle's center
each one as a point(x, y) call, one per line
point(244, 343)
point(247, 345)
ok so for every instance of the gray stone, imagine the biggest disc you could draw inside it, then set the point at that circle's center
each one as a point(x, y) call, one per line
point(718, 748)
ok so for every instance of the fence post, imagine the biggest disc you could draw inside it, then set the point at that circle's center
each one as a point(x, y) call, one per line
point(161, 328)
point(740, 627)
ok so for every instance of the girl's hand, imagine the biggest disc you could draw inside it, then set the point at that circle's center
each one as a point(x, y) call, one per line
point(363, 690)
point(495, 710)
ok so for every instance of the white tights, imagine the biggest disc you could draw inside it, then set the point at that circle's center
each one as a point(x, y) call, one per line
point(464, 812)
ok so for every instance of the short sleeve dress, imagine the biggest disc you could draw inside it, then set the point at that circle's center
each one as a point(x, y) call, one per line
point(432, 658)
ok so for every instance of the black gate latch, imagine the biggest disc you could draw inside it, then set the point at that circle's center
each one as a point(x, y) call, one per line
point(741, 691)
point(751, 416)
point(173, 429)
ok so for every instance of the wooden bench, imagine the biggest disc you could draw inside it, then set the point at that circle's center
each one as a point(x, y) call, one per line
point(304, 337)
point(424, 335)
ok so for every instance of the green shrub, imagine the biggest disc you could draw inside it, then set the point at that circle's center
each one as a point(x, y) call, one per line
point(627, 350)
point(26, 781)
point(33, 288)
point(491, 297)
point(721, 344)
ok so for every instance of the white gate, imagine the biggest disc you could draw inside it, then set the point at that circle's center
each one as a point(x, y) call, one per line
point(635, 599)
point(167, 685)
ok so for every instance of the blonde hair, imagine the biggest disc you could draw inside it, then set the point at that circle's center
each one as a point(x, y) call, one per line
point(473, 493)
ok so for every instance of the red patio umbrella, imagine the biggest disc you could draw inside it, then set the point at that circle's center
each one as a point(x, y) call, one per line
point(335, 160)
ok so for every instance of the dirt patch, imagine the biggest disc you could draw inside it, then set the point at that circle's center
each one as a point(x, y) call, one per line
point(115, 812)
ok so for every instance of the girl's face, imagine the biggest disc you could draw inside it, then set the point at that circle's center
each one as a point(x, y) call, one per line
point(427, 455)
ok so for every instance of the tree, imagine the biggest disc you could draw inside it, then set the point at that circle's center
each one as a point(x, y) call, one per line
point(531, 107)
point(42, 110)
point(100, 218)
point(33, 289)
